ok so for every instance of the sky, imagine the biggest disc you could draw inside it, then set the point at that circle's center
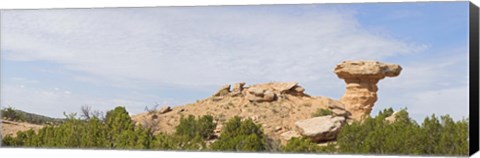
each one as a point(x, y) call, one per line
point(57, 60)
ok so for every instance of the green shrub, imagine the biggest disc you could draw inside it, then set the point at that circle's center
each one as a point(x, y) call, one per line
point(305, 145)
point(240, 135)
point(300, 145)
point(12, 114)
point(191, 127)
point(8, 140)
point(117, 131)
point(405, 136)
point(435, 136)
point(322, 112)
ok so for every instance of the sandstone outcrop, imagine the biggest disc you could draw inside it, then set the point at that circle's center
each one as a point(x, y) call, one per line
point(224, 90)
point(392, 118)
point(267, 92)
point(273, 90)
point(283, 109)
point(289, 135)
point(238, 88)
point(322, 128)
point(165, 110)
point(337, 108)
point(361, 78)
point(260, 95)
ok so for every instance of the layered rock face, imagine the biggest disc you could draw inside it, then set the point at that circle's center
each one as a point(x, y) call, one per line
point(361, 78)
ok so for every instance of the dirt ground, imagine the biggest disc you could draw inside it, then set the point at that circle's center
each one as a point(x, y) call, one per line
point(11, 127)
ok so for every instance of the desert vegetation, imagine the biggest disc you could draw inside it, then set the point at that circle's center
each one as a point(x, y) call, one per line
point(374, 135)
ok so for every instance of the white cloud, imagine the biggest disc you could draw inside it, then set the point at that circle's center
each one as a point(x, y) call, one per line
point(193, 46)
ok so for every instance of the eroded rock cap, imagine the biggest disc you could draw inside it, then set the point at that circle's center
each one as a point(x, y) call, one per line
point(367, 69)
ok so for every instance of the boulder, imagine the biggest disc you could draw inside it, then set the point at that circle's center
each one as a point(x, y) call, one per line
point(392, 118)
point(217, 98)
point(165, 109)
point(298, 89)
point(289, 135)
point(268, 96)
point(282, 86)
point(238, 87)
point(260, 95)
point(277, 128)
point(254, 118)
point(333, 104)
point(256, 91)
point(322, 128)
point(224, 90)
point(253, 98)
point(339, 112)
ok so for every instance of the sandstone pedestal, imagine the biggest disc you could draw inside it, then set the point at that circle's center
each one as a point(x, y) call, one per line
point(361, 78)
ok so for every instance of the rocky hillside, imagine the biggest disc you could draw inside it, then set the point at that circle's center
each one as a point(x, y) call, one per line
point(276, 106)
point(283, 108)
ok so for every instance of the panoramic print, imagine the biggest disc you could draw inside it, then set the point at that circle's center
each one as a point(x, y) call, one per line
point(370, 78)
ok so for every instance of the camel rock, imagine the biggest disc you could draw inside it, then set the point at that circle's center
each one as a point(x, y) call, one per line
point(361, 78)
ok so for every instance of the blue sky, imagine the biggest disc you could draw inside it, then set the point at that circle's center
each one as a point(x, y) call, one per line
point(58, 60)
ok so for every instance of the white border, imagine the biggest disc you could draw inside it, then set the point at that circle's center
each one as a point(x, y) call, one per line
point(73, 153)
point(33, 4)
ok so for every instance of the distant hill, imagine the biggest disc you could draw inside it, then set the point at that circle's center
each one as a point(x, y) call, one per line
point(19, 115)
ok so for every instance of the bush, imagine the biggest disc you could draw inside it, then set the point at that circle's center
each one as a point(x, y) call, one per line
point(190, 134)
point(190, 127)
point(12, 114)
point(435, 136)
point(300, 145)
point(240, 135)
point(305, 145)
point(405, 136)
point(322, 112)
point(118, 131)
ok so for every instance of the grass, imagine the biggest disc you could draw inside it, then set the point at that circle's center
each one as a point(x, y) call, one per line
point(322, 112)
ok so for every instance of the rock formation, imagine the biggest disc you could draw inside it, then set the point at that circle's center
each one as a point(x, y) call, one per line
point(361, 78)
point(337, 108)
point(224, 90)
point(272, 91)
point(283, 109)
point(238, 88)
point(392, 118)
point(289, 135)
point(322, 128)
point(165, 110)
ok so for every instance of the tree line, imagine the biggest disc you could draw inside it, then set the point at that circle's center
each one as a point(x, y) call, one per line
point(12, 114)
point(374, 135)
